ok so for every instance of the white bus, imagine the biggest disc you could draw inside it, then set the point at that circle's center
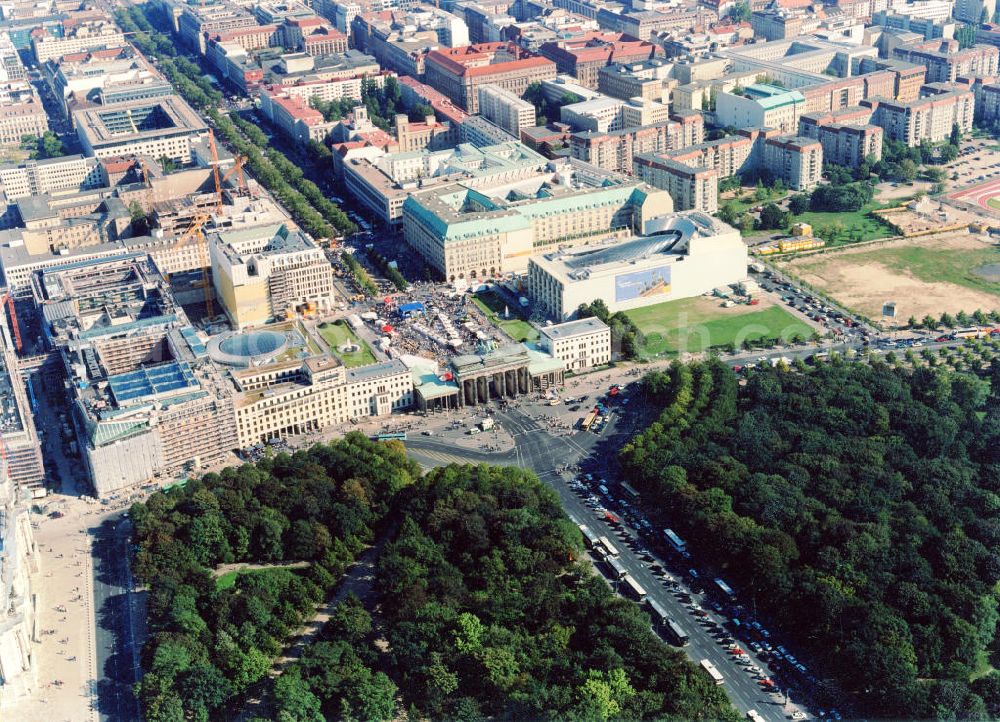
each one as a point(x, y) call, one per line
point(678, 544)
point(659, 612)
point(615, 569)
point(633, 589)
point(590, 539)
point(712, 671)
point(609, 548)
point(754, 716)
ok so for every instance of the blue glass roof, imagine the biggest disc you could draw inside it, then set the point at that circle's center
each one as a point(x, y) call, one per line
point(151, 381)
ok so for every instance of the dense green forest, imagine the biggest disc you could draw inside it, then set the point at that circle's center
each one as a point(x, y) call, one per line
point(485, 607)
point(210, 641)
point(488, 612)
point(856, 507)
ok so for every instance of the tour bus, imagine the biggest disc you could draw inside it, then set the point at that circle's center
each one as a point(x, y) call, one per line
point(588, 420)
point(609, 548)
point(658, 612)
point(675, 635)
point(676, 543)
point(727, 592)
point(391, 437)
point(590, 539)
point(614, 569)
point(630, 492)
point(754, 716)
point(712, 671)
point(632, 588)
point(970, 332)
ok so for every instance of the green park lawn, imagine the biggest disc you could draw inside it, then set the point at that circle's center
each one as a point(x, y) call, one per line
point(494, 307)
point(228, 580)
point(849, 227)
point(336, 334)
point(697, 324)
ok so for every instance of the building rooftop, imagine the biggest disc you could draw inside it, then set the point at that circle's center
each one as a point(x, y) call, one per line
point(376, 371)
point(772, 96)
point(573, 328)
point(669, 238)
point(137, 119)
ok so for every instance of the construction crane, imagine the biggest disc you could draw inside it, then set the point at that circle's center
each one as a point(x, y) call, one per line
point(194, 231)
point(219, 180)
point(8, 301)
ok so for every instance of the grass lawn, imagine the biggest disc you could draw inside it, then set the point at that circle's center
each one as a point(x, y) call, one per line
point(493, 306)
point(994, 203)
point(697, 324)
point(336, 334)
point(857, 225)
point(226, 581)
point(947, 265)
point(746, 200)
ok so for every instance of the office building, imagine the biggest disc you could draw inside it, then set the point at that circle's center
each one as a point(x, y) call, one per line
point(162, 127)
point(642, 24)
point(383, 184)
point(21, 114)
point(155, 399)
point(650, 80)
point(604, 114)
point(81, 33)
point(459, 72)
point(580, 345)
point(402, 38)
point(484, 231)
point(294, 116)
point(70, 173)
point(925, 27)
point(682, 255)
point(760, 106)
point(267, 272)
point(19, 633)
point(197, 23)
point(583, 56)
point(505, 109)
point(11, 67)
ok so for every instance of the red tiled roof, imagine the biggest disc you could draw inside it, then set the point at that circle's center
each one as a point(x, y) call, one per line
point(299, 109)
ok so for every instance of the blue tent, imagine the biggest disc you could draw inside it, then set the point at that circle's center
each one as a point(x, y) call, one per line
point(408, 309)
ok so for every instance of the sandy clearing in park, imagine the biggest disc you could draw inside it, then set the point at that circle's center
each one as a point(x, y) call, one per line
point(864, 285)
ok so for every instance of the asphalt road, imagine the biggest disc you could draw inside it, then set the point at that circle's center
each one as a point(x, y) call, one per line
point(546, 455)
point(116, 637)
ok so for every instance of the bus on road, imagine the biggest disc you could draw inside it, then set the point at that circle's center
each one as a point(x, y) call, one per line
point(390, 437)
point(726, 590)
point(675, 635)
point(614, 569)
point(590, 539)
point(608, 547)
point(675, 542)
point(632, 588)
point(588, 420)
point(712, 671)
